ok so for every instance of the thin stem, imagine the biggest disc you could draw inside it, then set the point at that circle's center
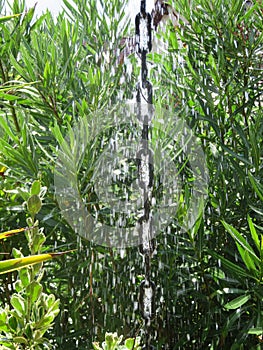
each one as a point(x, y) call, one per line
point(51, 105)
point(11, 103)
point(2, 72)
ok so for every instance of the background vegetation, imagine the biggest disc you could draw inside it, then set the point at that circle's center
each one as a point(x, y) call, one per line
point(56, 71)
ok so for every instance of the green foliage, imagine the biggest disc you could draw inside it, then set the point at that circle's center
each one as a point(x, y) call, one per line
point(214, 71)
point(34, 205)
point(54, 73)
point(31, 312)
point(113, 342)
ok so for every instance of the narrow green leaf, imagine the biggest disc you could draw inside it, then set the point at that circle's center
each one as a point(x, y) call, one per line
point(12, 232)
point(233, 291)
point(238, 156)
point(257, 187)
point(256, 331)
point(232, 268)
point(15, 264)
point(46, 74)
point(20, 70)
point(20, 340)
point(255, 149)
point(237, 302)
point(96, 346)
point(246, 258)
point(58, 134)
point(66, 49)
point(7, 18)
point(257, 210)
point(4, 125)
point(253, 233)
point(241, 240)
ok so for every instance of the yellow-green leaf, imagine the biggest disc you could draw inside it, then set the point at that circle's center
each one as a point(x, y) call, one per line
point(7, 18)
point(242, 241)
point(35, 188)
point(247, 259)
point(237, 302)
point(253, 233)
point(34, 204)
point(12, 232)
point(20, 340)
point(257, 331)
point(19, 304)
point(34, 289)
point(18, 263)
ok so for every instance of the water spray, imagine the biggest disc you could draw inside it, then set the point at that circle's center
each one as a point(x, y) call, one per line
point(143, 43)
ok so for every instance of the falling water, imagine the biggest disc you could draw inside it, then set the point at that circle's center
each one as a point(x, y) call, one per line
point(116, 199)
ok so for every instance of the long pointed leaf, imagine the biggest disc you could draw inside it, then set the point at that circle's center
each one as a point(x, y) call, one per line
point(256, 185)
point(257, 331)
point(233, 268)
point(7, 18)
point(247, 259)
point(18, 263)
point(253, 233)
point(241, 240)
point(12, 232)
point(237, 302)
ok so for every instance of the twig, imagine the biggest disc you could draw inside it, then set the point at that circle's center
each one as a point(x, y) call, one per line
point(11, 103)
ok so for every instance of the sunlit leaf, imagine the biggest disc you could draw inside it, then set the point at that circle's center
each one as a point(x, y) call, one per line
point(257, 331)
point(246, 258)
point(19, 304)
point(242, 241)
point(235, 269)
point(34, 204)
point(237, 302)
point(256, 185)
point(13, 232)
point(16, 264)
point(7, 18)
point(253, 233)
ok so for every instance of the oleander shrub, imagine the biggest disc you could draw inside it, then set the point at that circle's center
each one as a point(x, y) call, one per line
point(55, 72)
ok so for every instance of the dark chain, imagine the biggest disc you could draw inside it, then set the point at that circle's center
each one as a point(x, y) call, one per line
point(145, 169)
point(143, 44)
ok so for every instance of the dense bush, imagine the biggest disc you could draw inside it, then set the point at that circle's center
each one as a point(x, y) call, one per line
point(55, 72)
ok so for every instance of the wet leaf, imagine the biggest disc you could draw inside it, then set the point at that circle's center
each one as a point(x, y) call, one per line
point(7, 18)
point(242, 241)
point(237, 302)
point(236, 270)
point(16, 264)
point(35, 188)
point(257, 331)
point(254, 233)
point(12, 232)
point(256, 185)
point(34, 204)
point(246, 258)
point(130, 343)
point(96, 346)
point(34, 289)
point(20, 340)
point(18, 302)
